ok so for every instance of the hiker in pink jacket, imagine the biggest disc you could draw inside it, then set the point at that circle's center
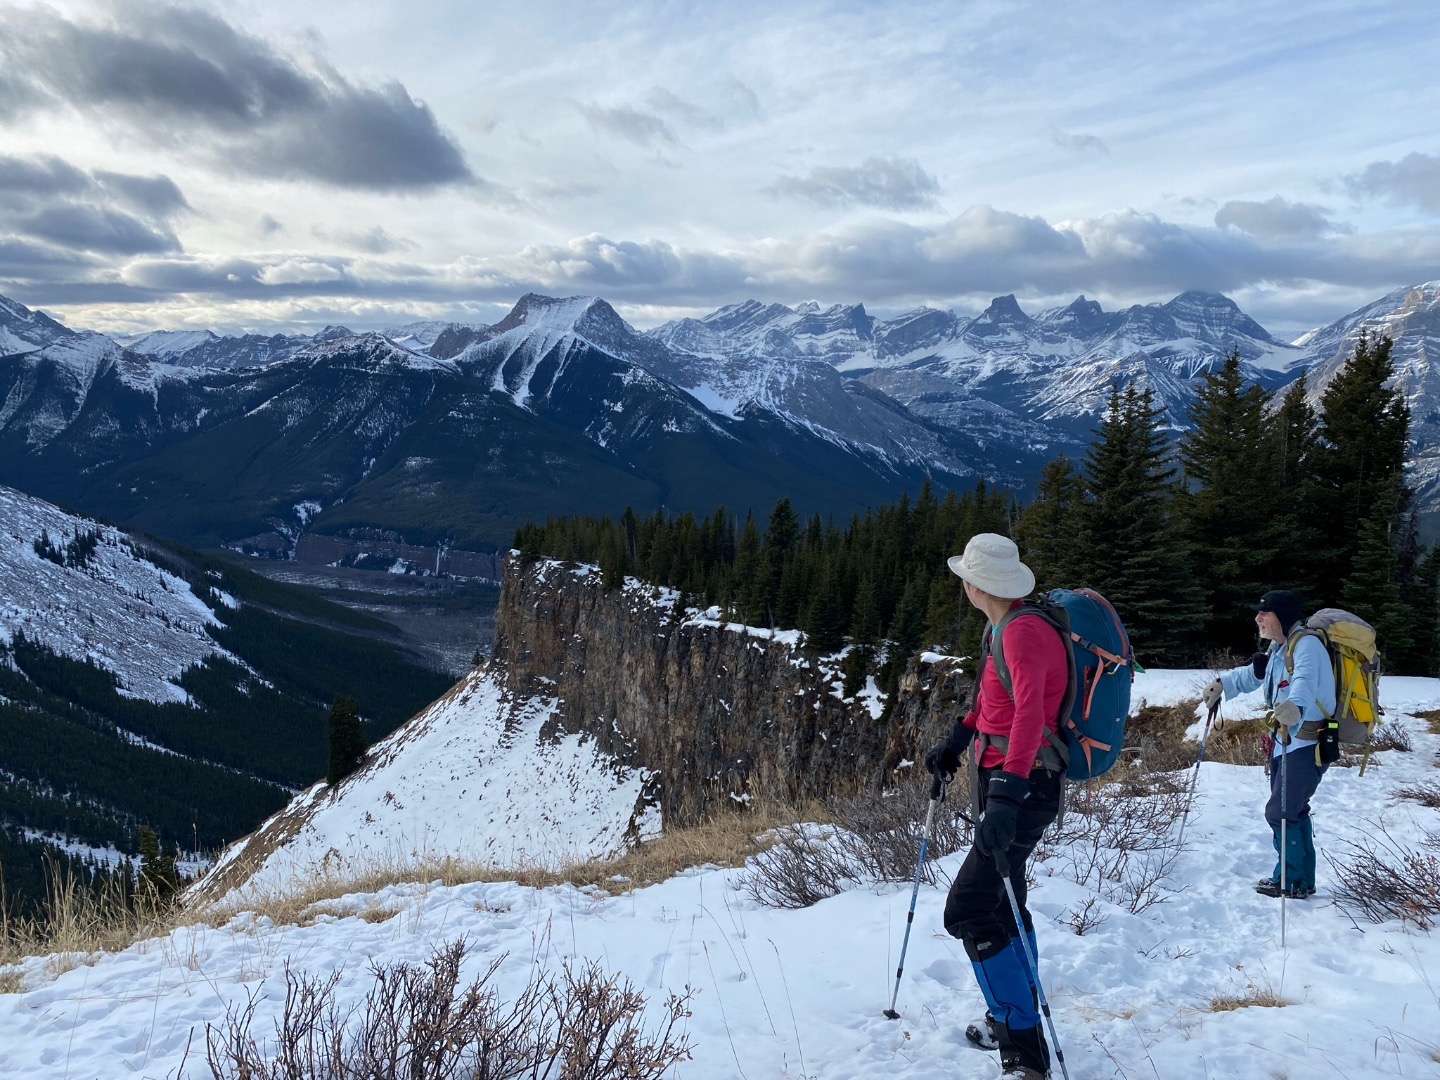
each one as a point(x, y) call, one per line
point(1020, 778)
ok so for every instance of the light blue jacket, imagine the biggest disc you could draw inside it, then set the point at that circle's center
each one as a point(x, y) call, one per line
point(1311, 685)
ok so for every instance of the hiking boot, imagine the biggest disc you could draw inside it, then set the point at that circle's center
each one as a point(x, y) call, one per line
point(1266, 887)
point(1023, 1053)
point(981, 1033)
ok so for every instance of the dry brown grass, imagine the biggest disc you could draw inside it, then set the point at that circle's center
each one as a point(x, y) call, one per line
point(725, 839)
point(12, 980)
point(1155, 740)
point(1431, 718)
point(77, 924)
point(1254, 997)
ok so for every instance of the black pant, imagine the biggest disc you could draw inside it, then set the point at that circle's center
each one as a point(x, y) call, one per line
point(977, 910)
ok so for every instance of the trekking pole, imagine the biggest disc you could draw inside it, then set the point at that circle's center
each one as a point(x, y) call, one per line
point(1284, 846)
point(1195, 780)
point(937, 793)
point(1003, 865)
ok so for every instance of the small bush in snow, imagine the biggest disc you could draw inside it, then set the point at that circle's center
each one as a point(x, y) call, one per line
point(413, 1023)
point(869, 839)
point(1381, 879)
point(1391, 735)
point(1117, 841)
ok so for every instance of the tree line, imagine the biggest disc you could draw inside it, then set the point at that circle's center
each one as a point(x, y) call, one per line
point(1263, 491)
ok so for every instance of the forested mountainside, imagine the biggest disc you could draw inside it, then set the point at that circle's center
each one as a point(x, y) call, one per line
point(146, 685)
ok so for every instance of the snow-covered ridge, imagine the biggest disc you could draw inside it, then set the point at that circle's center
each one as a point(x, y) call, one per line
point(471, 778)
point(114, 609)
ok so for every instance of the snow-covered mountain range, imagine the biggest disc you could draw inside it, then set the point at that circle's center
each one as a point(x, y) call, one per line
point(797, 399)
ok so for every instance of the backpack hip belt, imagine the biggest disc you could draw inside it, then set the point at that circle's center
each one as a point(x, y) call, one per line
point(1050, 758)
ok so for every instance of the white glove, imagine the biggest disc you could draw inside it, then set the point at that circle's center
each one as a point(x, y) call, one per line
point(1287, 714)
point(1214, 694)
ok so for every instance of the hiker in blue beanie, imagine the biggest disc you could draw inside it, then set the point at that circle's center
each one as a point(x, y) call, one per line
point(1300, 693)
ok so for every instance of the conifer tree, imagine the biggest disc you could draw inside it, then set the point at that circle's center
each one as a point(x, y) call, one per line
point(1138, 556)
point(1372, 590)
point(1229, 511)
point(824, 624)
point(1049, 530)
point(1363, 438)
point(159, 879)
point(1293, 443)
point(347, 739)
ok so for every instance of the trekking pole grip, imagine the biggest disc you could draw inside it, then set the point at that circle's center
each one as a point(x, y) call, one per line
point(938, 783)
point(1002, 864)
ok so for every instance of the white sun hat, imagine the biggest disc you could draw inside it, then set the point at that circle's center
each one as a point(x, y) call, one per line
point(992, 562)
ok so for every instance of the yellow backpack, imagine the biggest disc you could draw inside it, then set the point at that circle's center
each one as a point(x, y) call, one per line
point(1350, 641)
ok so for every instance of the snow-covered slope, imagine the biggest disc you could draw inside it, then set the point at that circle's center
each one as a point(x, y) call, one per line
point(796, 993)
point(112, 608)
point(471, 778)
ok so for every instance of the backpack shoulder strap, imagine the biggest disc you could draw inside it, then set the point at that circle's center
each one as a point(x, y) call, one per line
point(994, 641)
point(1293, 640)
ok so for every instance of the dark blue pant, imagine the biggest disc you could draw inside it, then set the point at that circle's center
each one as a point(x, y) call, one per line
point(1301, 778)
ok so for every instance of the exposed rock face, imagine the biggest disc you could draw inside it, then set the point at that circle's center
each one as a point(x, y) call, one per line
point(716, 712)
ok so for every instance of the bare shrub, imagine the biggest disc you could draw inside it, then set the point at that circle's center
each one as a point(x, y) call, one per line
point(1391, 735)
point(1117, 843)
point(1086, 917)
point(12, 980)
point(1381, 879)
point(416, 1023)
point(1218, 660)
point(802, 867)
point(869, 839)
point(1424, 794)
point(1157, 735)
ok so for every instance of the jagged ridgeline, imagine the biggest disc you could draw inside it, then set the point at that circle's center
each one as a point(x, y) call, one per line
point(146, 685)
point(1182, 536)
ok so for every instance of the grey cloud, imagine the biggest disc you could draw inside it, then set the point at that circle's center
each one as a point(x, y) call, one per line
point(94, 228)
point(982, 252)
point(888, 183)
point(1414, 180)
point(376, 240)
point(268, 226)
point(181, 74)
point(32, 177)
point(623, 122)
point(663, 100)
point(1079, 142)
point(48, 199)
point(157, 196)
point(1278, 219)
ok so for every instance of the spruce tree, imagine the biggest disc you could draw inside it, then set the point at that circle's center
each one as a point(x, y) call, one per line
point(1364, 437)
point(1228, 510)
point(347, 739)
point(1294, 443)
point(159, 880)
point(1138, 555)
point(1048, 531)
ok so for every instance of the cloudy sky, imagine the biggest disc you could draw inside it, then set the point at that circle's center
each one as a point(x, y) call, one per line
point(273, 165)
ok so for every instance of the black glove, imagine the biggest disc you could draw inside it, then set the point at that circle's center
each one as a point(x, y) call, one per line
point(1003, 797)
point(944, 760)
point(1258, 663)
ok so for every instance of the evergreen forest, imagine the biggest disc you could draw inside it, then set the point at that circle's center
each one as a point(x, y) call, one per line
point(1182, 535)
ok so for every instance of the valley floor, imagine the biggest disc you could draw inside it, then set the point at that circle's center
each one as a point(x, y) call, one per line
point(800, 993)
